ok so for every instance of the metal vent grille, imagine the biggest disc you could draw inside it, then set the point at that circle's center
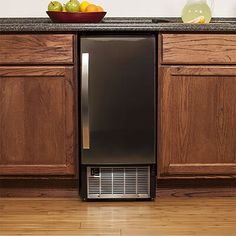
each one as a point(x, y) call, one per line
point(94, 185)
point(106, 181)
point(118, 182)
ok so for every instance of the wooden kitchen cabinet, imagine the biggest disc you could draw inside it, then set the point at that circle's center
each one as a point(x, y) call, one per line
point(37, 120)
point(197, 120)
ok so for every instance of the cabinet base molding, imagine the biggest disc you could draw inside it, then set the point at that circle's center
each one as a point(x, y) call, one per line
point(38, 188)
point(196, 187)
point(197, 192)
point(196, 183)
point(197, 177)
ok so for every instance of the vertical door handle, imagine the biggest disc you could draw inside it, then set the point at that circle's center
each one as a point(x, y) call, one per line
point(85, 101)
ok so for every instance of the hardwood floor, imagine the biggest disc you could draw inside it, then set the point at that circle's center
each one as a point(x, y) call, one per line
point(168, 216)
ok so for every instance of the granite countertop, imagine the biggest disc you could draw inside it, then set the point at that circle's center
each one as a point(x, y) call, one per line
point(117, 24)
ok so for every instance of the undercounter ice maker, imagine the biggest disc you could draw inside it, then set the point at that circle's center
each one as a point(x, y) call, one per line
point(118, 138)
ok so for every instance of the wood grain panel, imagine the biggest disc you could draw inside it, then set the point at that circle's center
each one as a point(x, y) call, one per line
point(36, 49)
point(37, 121)
point(197, 124)
point(198, 49)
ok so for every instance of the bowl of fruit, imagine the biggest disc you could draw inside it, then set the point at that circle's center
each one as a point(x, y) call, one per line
point(75, 12)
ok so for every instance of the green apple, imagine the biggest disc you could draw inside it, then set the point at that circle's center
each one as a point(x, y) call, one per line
point(54, 6)
point(72, 6)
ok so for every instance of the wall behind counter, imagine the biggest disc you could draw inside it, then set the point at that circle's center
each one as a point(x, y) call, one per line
point(37, 8)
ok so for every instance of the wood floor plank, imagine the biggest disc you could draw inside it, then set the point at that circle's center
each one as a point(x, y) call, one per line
point(79, 232)
point(167, 216)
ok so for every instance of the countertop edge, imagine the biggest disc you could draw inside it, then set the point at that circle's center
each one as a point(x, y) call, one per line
point(132, 24)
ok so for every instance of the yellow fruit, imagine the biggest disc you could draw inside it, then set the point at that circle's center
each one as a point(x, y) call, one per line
point(100, 9)
point(91, 8)
point(83, 6)
point(198, 20)
point(202, 20)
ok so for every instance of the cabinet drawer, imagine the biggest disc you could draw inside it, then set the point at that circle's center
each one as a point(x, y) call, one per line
point(36, 49)
point(198, 49)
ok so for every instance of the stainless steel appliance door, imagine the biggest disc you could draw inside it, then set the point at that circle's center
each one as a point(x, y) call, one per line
point(118, 97)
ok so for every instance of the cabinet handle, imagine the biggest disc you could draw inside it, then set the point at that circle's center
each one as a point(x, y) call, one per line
point(85, 101)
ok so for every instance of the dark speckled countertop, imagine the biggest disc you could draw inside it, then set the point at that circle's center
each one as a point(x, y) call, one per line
point(117, 24)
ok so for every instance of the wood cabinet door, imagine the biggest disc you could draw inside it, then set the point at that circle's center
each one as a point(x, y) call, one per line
point(37, 131)
point(197, 125)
